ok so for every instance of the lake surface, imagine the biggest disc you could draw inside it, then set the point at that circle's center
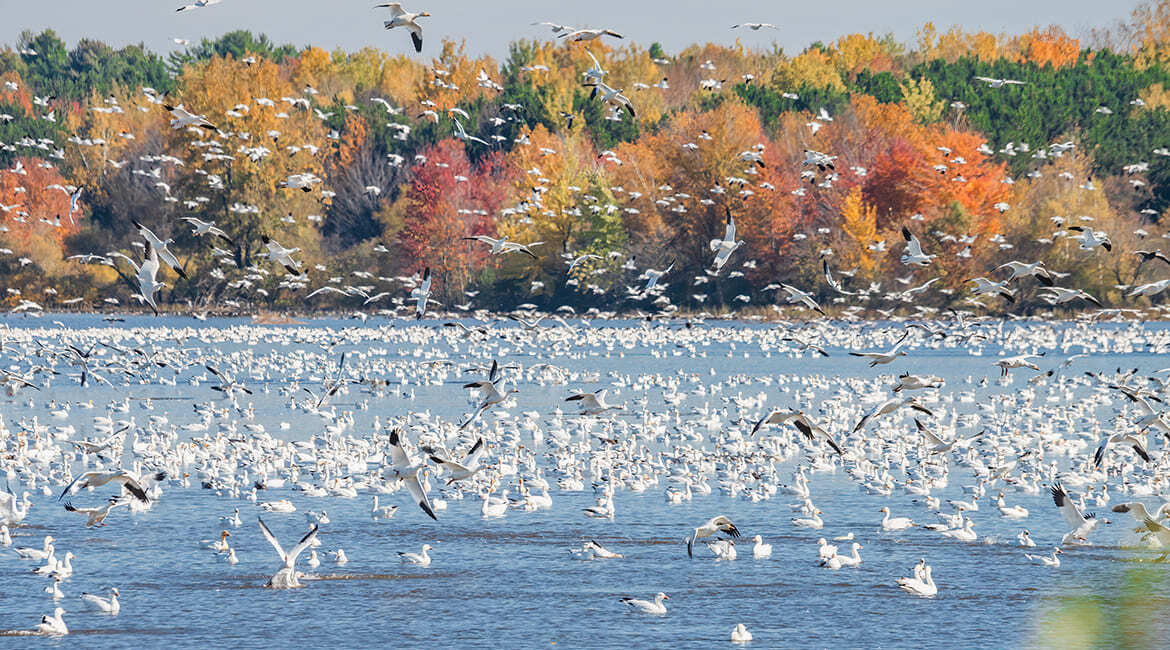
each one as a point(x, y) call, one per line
point(511, 581)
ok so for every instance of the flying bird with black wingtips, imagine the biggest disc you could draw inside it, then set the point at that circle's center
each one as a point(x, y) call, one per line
point(400, 17)
point(130, 481)
point(799, 420)
point(834, 284)
point(408, 472)
point(1153, 255)
point(181, 118)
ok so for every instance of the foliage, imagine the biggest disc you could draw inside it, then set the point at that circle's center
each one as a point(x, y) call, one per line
point(978, 173)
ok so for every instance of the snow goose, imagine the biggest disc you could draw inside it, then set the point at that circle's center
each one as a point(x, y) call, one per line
point(985, 287)
point(181, 118)
point(723, 549)
point(937, 446)
point(13, 510)
point(287, 577)
point(889, 406)
point(612, 96)
point(760, 549)
point(399, 17)
point(588, 34)
point(891, 524)
point(1045, 560)
point(421, 558)
point(1020, 270)
point(29, 553)
point(815, 522)
point(1138, 510)
point(234, 519)
point(1161, 534)
point(156, 246)
point(603, 510)
point(131, 482)
point(95, 516)
point(493, 506)
point(800, 421)
point(282, 506)
point(1061, 295)
point(723, 248)
point(53, 625)
point(923, 586)
point(48, 567)
point(108, 605)
point(805, 298)
point(885, 357)
point(1010, 512)
point(825, 550)
point(999, 83)
point(850, 560)
point(202, 228)
point(64, 568)
point(965, 534)
point(408, 472)
point(274, 252)
point(421, 294)
point(466, 469)
point(720, 524)
point(914, 255)
point(1082, 524)
point(491, 394)
point(652, 276)
point(381, 512)
point(655, 606)
point(1091, 239)
point(593, 403)
point(220, 545)
point(1129, 439)
point(600, 551)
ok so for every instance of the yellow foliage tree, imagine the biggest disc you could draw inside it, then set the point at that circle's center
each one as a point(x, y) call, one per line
point(1149, 33)
point(814, 67)
point(955, 43)
point(864, 52)
point(859, 222)
point(239, 167)
point(1155, 96)
point(920, 99)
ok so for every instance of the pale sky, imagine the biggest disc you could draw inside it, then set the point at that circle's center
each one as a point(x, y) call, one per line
point(489, 26)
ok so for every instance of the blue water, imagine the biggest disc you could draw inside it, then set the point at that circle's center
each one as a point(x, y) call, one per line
point(510, 582)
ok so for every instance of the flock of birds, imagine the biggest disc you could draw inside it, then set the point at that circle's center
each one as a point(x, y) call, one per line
point(900, 437)
point(894, 435)
point(645, 286)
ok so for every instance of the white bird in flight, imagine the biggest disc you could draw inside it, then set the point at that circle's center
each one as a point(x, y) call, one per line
point(408, 472)
point(198, 4)
point(400, 17)
point(999, 83)
point(588, 34)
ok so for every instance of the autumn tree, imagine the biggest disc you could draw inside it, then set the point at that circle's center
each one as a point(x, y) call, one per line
point(448, 200)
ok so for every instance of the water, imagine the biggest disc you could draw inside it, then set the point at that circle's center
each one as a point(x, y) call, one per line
point(510, 581)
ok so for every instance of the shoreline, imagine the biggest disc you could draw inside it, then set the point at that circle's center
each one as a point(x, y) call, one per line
point(305, 318)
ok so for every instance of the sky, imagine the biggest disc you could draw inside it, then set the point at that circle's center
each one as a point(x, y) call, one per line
point(488, 26)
